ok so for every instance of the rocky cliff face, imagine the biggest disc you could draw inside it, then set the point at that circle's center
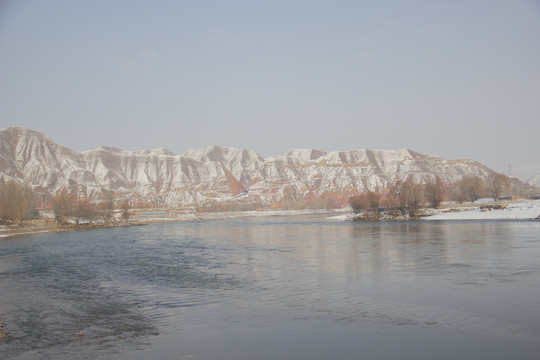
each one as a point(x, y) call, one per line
point(200, 176)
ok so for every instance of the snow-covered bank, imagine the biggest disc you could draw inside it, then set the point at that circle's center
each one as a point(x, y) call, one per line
point(523, 210)
point(520, 210)
point(342, 217)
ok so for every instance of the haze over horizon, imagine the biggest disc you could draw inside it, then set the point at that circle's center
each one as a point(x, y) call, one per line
point(455, 79)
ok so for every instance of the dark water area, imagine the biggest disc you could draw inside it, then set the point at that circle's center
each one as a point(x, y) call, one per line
point(274, 288)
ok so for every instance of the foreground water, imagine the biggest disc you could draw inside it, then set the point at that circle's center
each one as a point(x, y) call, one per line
point(274, 288)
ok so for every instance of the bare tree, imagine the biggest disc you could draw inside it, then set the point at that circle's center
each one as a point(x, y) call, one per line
point(84, 209)
point(433, 191)
point(107, 206)
point(470, 189)
point(390, 199)
point(16, 201)
point(64, 205)
point(125, 210)
point(359, 203)
point(410, 196)
point(374, 200)
point(498, 183)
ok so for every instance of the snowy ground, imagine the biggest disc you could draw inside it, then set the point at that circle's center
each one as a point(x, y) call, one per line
point(519, 210)
point(522, 210)
point(343, 217)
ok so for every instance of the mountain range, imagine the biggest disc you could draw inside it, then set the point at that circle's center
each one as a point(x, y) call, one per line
point(215, 173)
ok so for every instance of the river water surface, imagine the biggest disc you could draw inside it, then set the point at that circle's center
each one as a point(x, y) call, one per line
point(274, 288)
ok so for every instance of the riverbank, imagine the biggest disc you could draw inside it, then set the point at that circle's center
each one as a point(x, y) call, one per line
point(140, 218)
point(516, 210)
point(39, 226)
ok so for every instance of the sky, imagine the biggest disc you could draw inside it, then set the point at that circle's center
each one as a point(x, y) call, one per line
point(457, 79)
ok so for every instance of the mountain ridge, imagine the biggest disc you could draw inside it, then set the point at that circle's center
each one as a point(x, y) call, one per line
point(199, 176)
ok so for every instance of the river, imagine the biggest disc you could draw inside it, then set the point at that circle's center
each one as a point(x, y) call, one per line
point(296, 287)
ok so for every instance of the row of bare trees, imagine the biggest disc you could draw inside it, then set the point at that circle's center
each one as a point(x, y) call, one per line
point(405, 197)
point(68, 204)
point(17, 204)
point(408, 196)
point(474, 188)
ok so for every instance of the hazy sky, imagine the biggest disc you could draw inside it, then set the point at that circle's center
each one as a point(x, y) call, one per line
point(459, 79)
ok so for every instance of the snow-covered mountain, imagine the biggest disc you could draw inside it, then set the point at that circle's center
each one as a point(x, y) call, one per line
point(199, 176)
point(534, 181)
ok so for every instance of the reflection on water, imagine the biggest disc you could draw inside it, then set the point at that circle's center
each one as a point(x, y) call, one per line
point(267, 288)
